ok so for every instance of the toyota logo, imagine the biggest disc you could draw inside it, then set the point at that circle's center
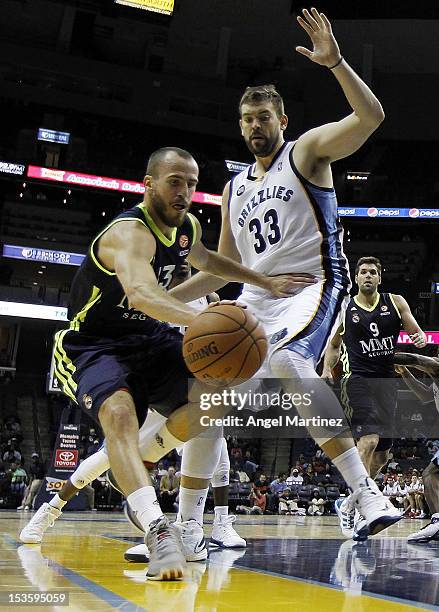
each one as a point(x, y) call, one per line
point(66, 456)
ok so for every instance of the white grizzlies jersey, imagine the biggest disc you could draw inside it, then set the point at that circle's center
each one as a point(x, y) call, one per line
point(282, 223)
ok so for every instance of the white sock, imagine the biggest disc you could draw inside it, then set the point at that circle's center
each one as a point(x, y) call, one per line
point(57, 502)
point(89, 469)
point(220, 512)
point(160, 445)
point(146, 506)
point(351, 467)
point(191, 504)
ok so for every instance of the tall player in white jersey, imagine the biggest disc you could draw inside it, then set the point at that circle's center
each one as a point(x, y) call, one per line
point(281, 215)
point(429, 365)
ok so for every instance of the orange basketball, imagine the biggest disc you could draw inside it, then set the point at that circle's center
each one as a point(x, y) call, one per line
point(225, 345)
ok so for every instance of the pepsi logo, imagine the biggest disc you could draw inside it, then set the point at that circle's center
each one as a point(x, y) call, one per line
point(413, 213)
point(372, 212)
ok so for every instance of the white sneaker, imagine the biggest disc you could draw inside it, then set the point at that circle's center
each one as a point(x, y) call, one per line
point(224, 535)
point(137, 554)
point(346, 515)
point(192, 537)
point(44, 518)
point(377, 512)
point(427, 533)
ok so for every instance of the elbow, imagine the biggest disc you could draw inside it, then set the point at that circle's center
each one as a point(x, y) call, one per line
point(377, 115)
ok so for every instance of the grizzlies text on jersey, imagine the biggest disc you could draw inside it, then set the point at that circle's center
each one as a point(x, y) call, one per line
point(292, 224)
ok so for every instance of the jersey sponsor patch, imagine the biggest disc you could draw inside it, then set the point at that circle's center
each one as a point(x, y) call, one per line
point(240, 190)
point(184, 241)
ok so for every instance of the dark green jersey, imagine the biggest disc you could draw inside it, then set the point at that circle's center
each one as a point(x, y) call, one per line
point(98, 305)
point(370, 336)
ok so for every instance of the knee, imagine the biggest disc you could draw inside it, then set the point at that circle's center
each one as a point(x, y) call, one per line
point(117, 414)
point(368, 444)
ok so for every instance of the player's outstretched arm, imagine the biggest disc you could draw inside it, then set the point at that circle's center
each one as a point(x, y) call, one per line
point(336, 140)
point(332, 355)
point(409, 322)
point(282, 285)
point(126, 248)
point(430, 365)
point(423, 392)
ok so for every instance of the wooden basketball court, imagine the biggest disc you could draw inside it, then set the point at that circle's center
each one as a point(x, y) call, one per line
point(290, 563)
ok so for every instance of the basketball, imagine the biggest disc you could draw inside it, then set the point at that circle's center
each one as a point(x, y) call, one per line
point(225, 345)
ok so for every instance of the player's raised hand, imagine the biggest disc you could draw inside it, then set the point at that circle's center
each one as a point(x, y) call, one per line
point(284, 285)
point(419, 340)
point(325, 48)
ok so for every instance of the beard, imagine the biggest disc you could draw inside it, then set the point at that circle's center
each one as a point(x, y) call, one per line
point(170, 218)
point(262, 148)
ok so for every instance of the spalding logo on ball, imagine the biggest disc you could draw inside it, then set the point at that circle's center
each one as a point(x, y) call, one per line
point(224, 345)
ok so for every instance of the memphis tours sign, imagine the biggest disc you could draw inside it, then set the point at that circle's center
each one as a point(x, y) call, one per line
point(64, 461)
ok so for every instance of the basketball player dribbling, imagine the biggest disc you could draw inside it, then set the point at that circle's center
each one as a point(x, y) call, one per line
point(430, 366)
point(281, 215)
point(118, 356)
point(368, 337)
point(197, 471)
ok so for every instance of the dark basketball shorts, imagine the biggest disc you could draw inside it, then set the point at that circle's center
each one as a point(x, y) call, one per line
point(370, 406)
point(91, 369)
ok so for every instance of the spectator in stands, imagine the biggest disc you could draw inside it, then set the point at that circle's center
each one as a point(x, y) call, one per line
point(391, 490)
point(169, 486)
point(393, 466)
point(235, 451)
point(36, 475)
point(258, 503)
point(309, 477)
point(12, 455)
point(403, 490)
point(5, 483)
point(294, 478)
point(320, 465)
point(161, 470)
point(249, 466)
point(243, 476)
point(18, 478)
point(288, 503)
point(278, 485)
point(261, 483)
point(233, 475)
point(415, 488)
point(316, 506)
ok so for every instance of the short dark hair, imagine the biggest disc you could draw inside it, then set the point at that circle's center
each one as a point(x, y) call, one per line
point(368, 260)
point(158, 156)
point(263, 93)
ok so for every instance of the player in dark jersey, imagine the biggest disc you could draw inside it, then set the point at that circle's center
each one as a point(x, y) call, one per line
point(426, 394)
point(118, 355)
point(368, 336)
